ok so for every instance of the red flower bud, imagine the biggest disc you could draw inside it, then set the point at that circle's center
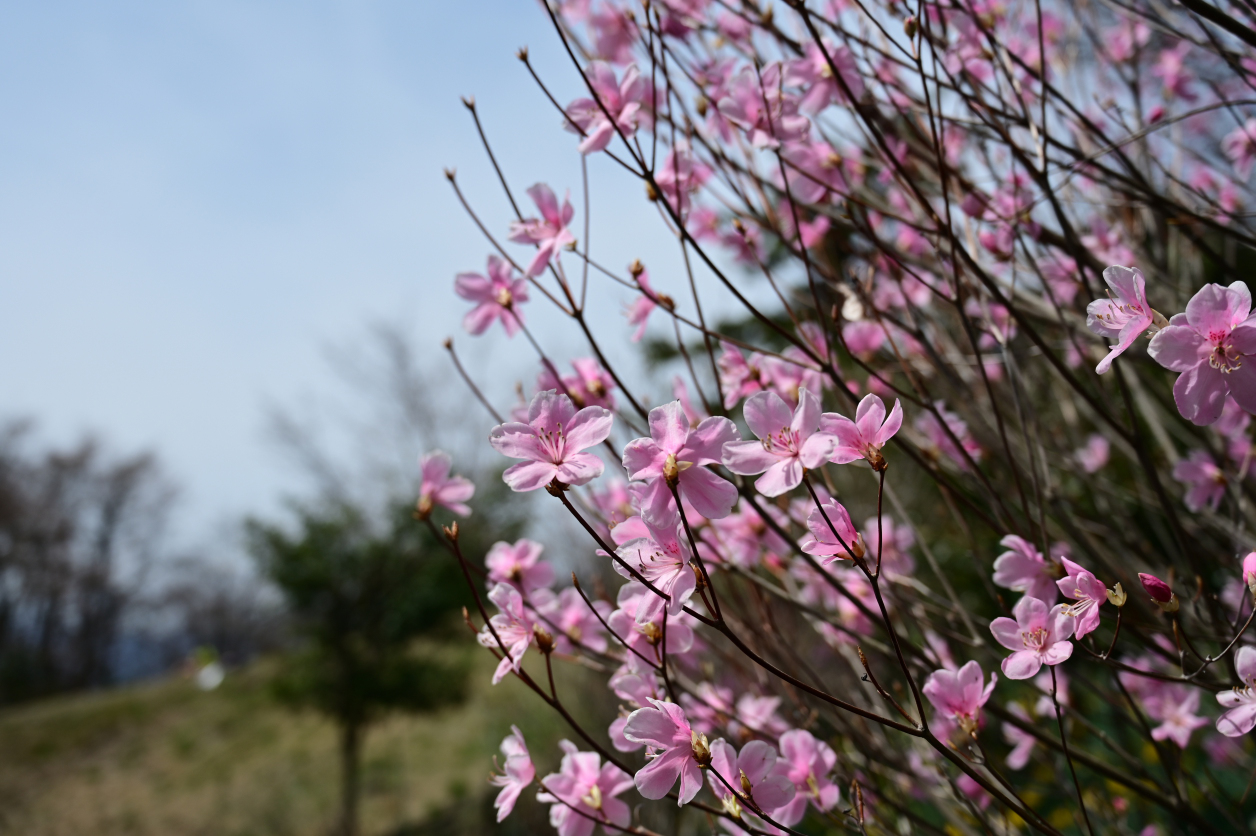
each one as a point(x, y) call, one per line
point(1157, 589)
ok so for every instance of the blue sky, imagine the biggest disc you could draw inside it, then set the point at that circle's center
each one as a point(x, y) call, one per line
point(195, 197)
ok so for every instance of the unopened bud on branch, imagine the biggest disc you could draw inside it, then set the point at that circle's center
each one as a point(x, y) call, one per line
point(1160, 592)
point(1116, 596)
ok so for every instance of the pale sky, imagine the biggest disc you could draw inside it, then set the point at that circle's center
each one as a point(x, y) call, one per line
point(196, 197)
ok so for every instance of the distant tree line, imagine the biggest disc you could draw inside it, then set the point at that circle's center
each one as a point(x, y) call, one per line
point(84, 558)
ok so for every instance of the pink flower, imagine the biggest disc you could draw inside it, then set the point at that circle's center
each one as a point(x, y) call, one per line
point(549, 232)
point(679, 751)
point(663, 560)
point(583, 792)
point(439, 488)
point(622, 100)
point(739, 377)
point(959, 695)
point(1249, 571)
point(1023, 569)
point(1084, 588)
point(894, 550)
point(759, 779)
point(1240, 146)
point(1240, 702)
point(641, 308)
point(1171, 69)
point(813, 73)
point(863, 337)
point(759, 714)
point(809, 762)
point(497, 296)
point(512, 626)
point(568, 613)
point(517, 773)
point(767, 115)
point(646, 635)
point(821, 541)
point(791, 373)
point(677, 454)
point(591, 385)
point(680, 175)
point(1209, 344)
point(787, 446)
point(1125, 38)
point(1094, 455)
point(1174, 706)
point(551, 443)
point(1123, 316)
point(939, 440)
point(1022, 742)
point(1205, 481)
point(519, 565)
point(864, 437)
point(1037, 636)
point(742, 538)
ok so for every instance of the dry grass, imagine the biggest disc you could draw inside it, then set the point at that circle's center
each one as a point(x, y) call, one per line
point(164, 758)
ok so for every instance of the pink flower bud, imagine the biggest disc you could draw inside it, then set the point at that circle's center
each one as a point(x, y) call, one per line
point(1249, 571)
point(1156, 588)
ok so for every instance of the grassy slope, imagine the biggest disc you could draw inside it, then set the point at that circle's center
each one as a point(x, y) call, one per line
point(164, 758)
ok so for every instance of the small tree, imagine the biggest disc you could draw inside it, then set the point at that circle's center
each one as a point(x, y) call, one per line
point(361, 597)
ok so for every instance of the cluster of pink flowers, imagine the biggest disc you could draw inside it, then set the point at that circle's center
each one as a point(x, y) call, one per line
point(930, 218)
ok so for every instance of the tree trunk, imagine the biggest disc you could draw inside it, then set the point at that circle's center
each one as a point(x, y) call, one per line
point(350, 745)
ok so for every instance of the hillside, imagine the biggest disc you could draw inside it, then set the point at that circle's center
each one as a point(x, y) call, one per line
point(165, 758)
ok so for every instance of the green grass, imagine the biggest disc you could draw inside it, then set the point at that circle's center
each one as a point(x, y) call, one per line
point(164, 758)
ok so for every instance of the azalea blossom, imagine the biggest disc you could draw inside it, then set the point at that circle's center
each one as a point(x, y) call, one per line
point(758, 779)
point(591, 384)
point(1023, 569)
point(518, 564)
point(497, 297)
point(939, 436)
point(1240, 146)
point(621, 99)
point(1124, 315)
point(864, 437)
point(767, 115)
point(1036, 636)
point(575, 622)
point(1094, 455)
point(1240, 702)
point(1082, 586)
point(959, 695)
point(1174, 706)
point(583, 792)
point(814, 73)
point(641, 308)
point(1022, 742)
point(549, 232)
point(438, 488)
point(646, 635)
point(788, 444)
point(677, 454)
point(1209, 344)
point(822, 541)
point(517, 773)
point(662, 559)
point(680, 752)
point(809, 763)
point(680, 175)
point(552, 443)
point(739, 377)
point(1205, 482)
point(511, 626)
